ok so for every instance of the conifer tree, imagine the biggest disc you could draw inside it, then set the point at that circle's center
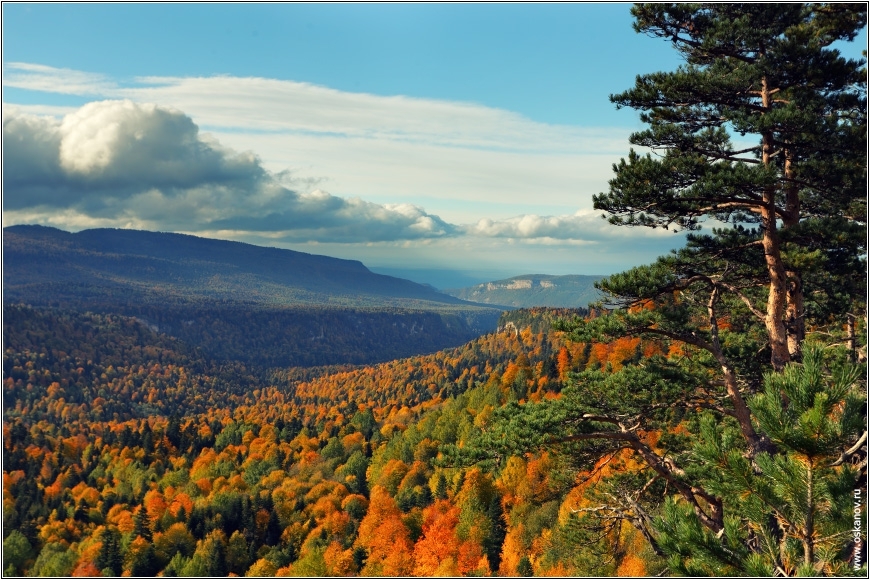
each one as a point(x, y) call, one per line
point(763, 129)
point(109, 558)
point(794, 515)
point(142, 524)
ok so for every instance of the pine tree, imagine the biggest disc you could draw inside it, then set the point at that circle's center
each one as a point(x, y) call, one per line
point(734, 304)
point(524, 568)
point(109, 557)
point(141, 560)
point(142, 524)
point(81, 513)
point(441, 487)
point(768, 74)
point(492, 544)
point(794, 513)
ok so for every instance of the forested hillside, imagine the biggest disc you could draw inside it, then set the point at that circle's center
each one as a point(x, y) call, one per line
point(127, 451)
point(748, 438)
point(708, 419)
point(45, 265)
point(236, 301)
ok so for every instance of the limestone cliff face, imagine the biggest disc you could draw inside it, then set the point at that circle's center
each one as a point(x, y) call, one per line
point(516, 284)
point(533, 290)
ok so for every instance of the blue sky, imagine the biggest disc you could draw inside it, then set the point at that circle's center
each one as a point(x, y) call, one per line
point(464, 137)
point(554, 63)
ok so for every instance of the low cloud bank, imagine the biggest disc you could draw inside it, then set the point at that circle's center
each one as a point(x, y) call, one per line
point(128, 164)
point(142, 164)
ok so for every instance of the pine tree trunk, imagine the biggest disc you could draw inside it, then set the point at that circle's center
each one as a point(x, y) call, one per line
point(851, 338)
point(794, 316)
point(741, 410)
point(776, 299)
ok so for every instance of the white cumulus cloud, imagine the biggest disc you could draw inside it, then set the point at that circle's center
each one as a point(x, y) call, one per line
point(149, 165)
point(384, 148)
point(132, 164)
point(584, 225)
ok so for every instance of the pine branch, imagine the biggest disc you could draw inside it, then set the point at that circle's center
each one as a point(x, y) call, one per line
point(664, 468)
point(862, 441)
point(756, 442)
point(743, 298)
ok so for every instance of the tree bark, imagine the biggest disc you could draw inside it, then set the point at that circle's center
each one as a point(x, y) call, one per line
point(795, 314)
point(850, 336)
point(776, 299)
point(756, 442)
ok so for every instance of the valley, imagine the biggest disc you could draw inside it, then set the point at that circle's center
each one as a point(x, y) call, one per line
point(180, 405)
point(238, 301)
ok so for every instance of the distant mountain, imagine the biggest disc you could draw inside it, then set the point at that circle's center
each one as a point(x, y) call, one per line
point(441, 277)
point(237, 301)
point(533, 290)
point(44, 265)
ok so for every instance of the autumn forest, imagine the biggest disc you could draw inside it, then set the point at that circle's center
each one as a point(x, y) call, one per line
point(281, 473)
point(177, 406)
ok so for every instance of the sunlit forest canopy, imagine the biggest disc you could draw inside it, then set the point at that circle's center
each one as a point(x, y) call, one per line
point(706, 417)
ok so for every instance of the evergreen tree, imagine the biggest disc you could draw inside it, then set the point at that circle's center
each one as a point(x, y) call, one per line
point(768, 73)
point(794, 514)
point(81, 513)
point(524, 568)
point(142, 524)
point(441, 487)
point(109, 557)
point(731, 306)
point(141, 559)
point(493, 541)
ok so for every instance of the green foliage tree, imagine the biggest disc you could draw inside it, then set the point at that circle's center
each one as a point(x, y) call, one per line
point(238, 554)
point(109, 557)
point(56, 561)
point(524, 568)
point(209, 559)
point(767, 73)
point(764, 130)
point(365, 422)
point(141, 558)
point(176, 565)
point(16, 552)
point(142, 525)
point(792, 513)
point(353, 473)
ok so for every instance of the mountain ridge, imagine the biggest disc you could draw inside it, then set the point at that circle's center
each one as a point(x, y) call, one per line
point(237, 301)
point(164, 264)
